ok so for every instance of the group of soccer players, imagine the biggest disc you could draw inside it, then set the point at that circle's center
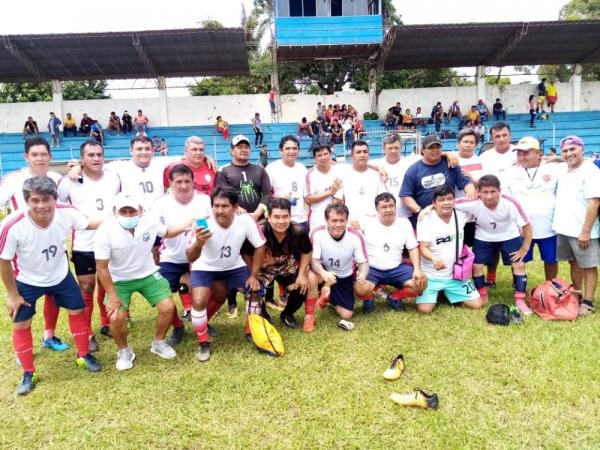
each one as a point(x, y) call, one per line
point(329, 234)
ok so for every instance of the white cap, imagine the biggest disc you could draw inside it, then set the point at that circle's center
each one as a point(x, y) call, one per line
point(122, 200)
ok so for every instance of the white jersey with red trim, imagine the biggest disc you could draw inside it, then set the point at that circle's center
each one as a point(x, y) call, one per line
point(11, 187)
point(39, 254)
point(290, 182)
point(385, 243)
point(360, 190)
point(473, 166)
point(495, 225)
point(316, 182)
point(94, 198)
point(339, 256)
point(222, 250)
point(168, 211)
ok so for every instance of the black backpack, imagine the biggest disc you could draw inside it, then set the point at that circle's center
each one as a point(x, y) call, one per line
point(498, 314)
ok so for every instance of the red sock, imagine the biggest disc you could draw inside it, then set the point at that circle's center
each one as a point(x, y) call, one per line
point(104, 320)
point(483, 294)
point(79, 330)
point(200, 325)
point(491, 277)
point(88, 301)
point(176, 322)
point(519, 295)
point(50, 316)
point(401, 294)
point(186, 301)
point(213, 307)
point(23, 345)
point(309, 306)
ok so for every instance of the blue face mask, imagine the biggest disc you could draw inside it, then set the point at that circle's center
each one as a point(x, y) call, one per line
point(128, 222)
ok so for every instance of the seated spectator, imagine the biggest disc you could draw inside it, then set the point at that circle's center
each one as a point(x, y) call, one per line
point(53, 127)
point(69, 126)
point(337, 132)
point(407, 120)
point(114, 123)
point(359, 130)
point(419, 119)
point(155, 143)
point(221, 126)
point(473, 115)
point(96, 132)
point(389, 121)
point(498, 110)
point(483, 110)
point(454, 111)
point(304, 128)
point(479, 128)
point(85, 125)
point(30, 127)
point(127, 122)
point(329, 112)
point(140, 122)
point(162, 148)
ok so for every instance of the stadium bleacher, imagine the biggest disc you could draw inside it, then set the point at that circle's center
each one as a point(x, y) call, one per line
point(558, 125)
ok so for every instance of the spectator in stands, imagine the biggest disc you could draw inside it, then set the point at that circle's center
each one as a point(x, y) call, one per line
point(163, 149)
point(419, 119)
point(30, 127)
point(53, 127)
point(96, 132)
point(454, 111)
point(127, 122)
point(498, 110)
point(85, 125)
point(541, 90)
point(114, 123)
point(257, 127)
point(389, 120)
point(348, 127)
point(272, 94)
point(534, 109)
point(397, 113)
point(473, 115)
point(140, 122)
point(263, 155)
point(304, 128)
point(69, 126)
point(484, 111)
point(551, 95)
point(155, 143)
point(320, 110)
point(336, 132)
point(479, 128)
point(359, 130)
point(437, 114)
point(221, 126)
point(329, 112)
point(407, 120)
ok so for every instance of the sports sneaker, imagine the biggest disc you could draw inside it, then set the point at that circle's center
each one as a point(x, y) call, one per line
point(89, 362)
point(27, 383)
point(345, 325)
point(585, 310)
point(162, 349)
point(309, 323)
point(522, 306)
point(396, 368)
point(288, 320)
point(93, 346)
point(186, 316)
point(176, 336)
point(203, 354)
point(515, 316)
point(105, 331)
point(368, 306)
point(125, 358)
point(55, 344)
point(396, 305)
point(417, 398)
point(232, 312)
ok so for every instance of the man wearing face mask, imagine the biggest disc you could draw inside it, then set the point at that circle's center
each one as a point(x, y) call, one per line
point(122, 249)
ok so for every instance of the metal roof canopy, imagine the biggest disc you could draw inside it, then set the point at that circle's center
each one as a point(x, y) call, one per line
point(121, 55)
point(494, 44)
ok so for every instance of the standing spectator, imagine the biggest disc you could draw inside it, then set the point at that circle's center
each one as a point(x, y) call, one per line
point(541, 89)
point(140, 122)
point(30, 127)
point(397, 113)
point(85, 125)
point(69, 126)
point(320, 110)
point(533, 110)
point(114, 123)
point(454, 111)
point(263, 155)
point(272, 94)
point(127, 122)
point(483, 110)
point(97, 133)
point(552, 95)
point(437, 114)
point(257, 127)
point(53, 125)
point(498, 110)
point(222, 127)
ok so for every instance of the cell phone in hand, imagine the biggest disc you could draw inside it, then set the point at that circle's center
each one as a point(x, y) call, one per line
point(202, 223)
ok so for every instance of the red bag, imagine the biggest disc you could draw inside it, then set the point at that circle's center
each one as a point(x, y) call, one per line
point(555, 300)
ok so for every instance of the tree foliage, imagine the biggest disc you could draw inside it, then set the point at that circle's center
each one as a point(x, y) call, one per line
point(42, 92)
point(85, 90)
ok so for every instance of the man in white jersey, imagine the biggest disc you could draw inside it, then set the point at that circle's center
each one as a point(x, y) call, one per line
point(361, 185)
point(122, 248)
point(336, 249)
point(533, 183)
point(183, 202)
point(33, 262)
point(576, 220)
point(92, 194)
point(440, 234)
point(288, 178)
point(386, 237)
point(217, 265)
point(500, 220)
point(38, 157)
point(323, 185)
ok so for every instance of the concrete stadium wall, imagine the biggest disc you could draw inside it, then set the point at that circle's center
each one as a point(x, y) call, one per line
point(187, 111)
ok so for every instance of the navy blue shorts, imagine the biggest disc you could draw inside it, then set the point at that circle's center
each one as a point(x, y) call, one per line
point(342, 293)
point(172, 272)
point(547, 248)
point(394, 277)
point(66, 294)
point(84, 262)
point(486, 252)
point(235, 278)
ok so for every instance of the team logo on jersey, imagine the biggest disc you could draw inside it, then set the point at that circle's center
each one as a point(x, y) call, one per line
point(547, 178)
point(146, 237)
point(431, 181)
point(207, 177)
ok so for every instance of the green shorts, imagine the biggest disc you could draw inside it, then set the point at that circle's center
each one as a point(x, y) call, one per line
point(456, 291)
point(154, 288)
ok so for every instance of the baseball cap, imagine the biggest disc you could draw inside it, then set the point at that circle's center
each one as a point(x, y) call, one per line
point(122, 200)
point(528, 143)
point(571, 140)
point(239, 138)
point(430, 140)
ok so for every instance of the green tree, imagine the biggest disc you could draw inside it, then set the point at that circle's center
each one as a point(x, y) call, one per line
point(85, 90)
point(42, 92)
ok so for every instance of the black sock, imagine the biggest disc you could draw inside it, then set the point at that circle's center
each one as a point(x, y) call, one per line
point(589, 303)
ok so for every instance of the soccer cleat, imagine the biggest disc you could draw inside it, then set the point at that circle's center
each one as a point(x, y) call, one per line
point(288, 320)
point(212, 331)
point(309, 323)
point(105, 331)
point(345, 325)
point(125, 358)
point(396, 368)
point(176, 336)
point(368, 306)
point(323, 299)
point(89, 362)
point(27, 383)
point(396, 305)
point(522, 306)
point(232, 312)
point(55, 344)
point(186, 316)
point(162, 349)
point(93, 346)
point(490, 284)
point(203, 354)
point(515, 316)
point(586, 310)
point(418, 398)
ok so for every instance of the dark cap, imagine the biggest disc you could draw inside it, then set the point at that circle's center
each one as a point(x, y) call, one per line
point(430, 140)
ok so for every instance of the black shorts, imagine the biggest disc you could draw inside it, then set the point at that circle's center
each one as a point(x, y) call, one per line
point(84, 262)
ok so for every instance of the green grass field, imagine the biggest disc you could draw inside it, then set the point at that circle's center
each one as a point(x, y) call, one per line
point(533, 386)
